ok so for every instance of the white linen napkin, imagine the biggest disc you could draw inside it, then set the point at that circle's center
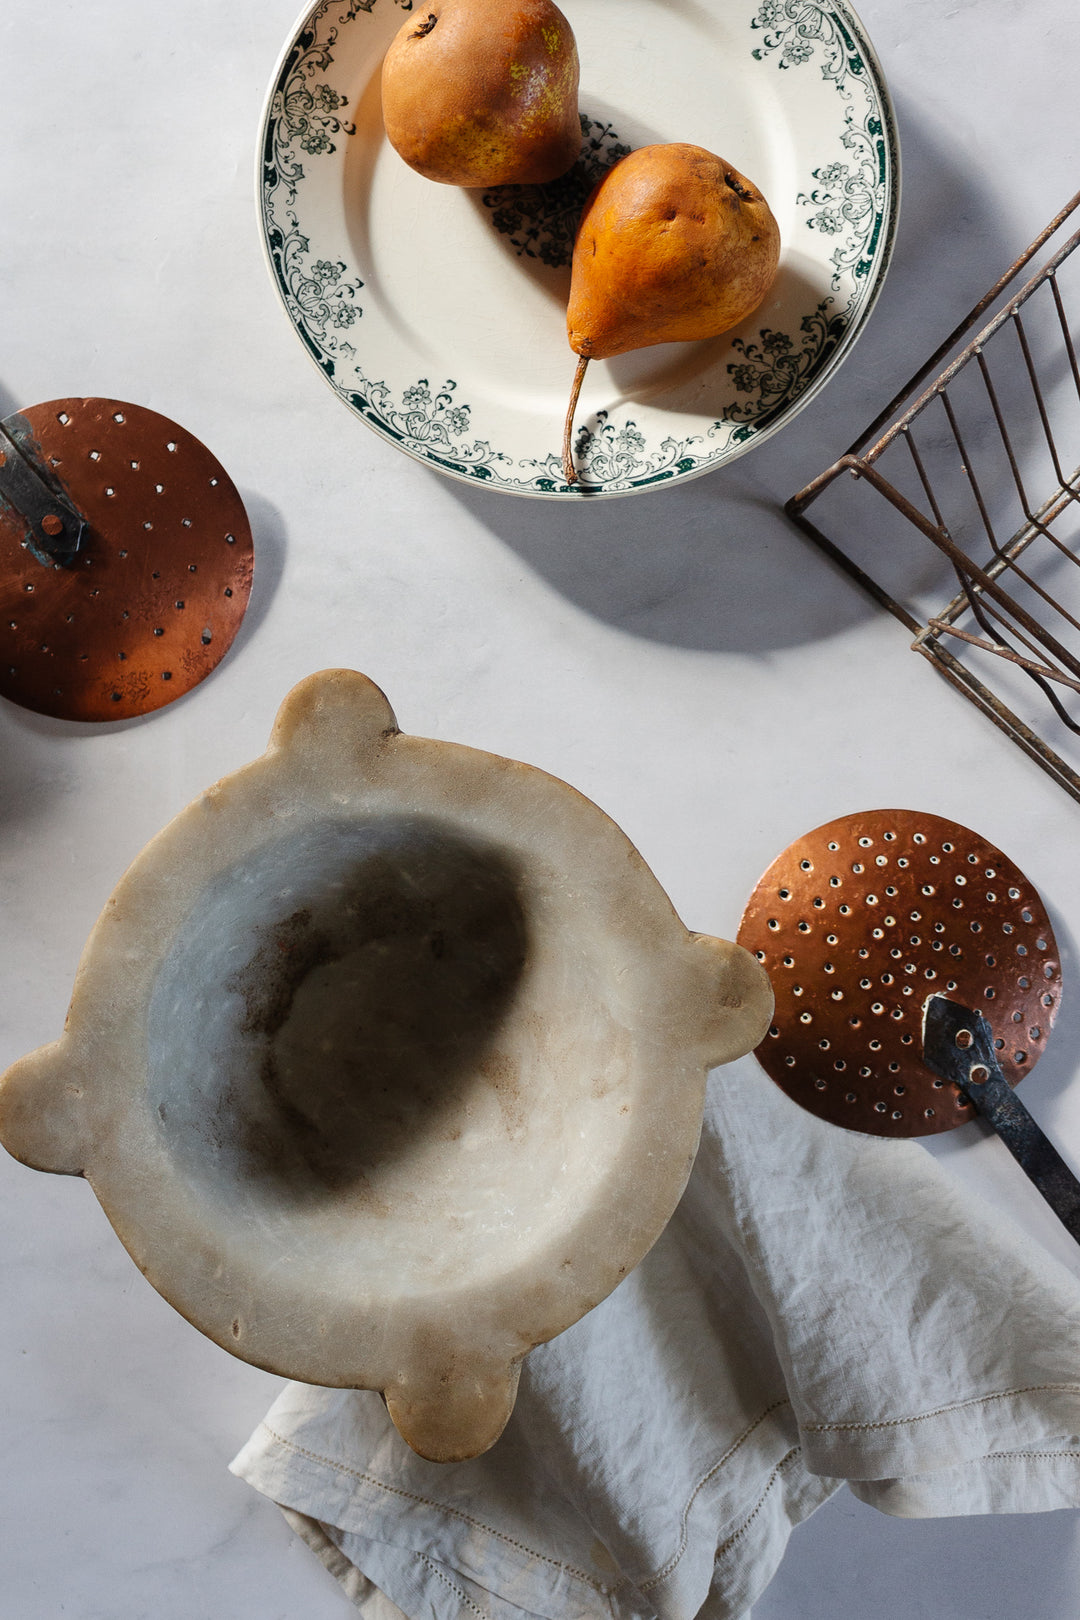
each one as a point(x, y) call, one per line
point(823, 1306)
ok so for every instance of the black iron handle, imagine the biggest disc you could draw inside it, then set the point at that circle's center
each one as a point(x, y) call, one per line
point(53, 525)
point(958, 1044)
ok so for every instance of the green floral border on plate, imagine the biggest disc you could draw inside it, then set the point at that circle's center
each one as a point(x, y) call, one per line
point(852, 201)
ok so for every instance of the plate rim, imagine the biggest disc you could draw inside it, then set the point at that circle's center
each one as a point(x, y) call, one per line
point(481, 477)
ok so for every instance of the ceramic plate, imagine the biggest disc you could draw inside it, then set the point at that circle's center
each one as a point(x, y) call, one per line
point(438, 314)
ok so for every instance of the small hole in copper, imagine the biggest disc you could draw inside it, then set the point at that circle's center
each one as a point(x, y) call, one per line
point(804, 928)
point(171, 446)
point(902, 860)
point(831, 939)
point(148, 525)
point(991, 896)
point(880, 1107)
point(230, 540)
point(213, 483)
point(881, 860)
point(1019, 1057)
point(159, 632)
point(806, 1018)
point(1040, 944)
point(954, 950)
point(865, 1073)
point(887, 978)
point(819, 1085)
point(228, 590)
point(864, 984)
point(1035, 1033)
point(1025, 916)
point(834, 882)
point(63, 418)
point(935, 860)
point(1021, 950)
point(898, 1012)
point(774, 1031)
point(824, 1044)
point(785, 894)
point(1048, 1001)
point(1023, 982)
point(820, 904)
point(790, 1061)
point(807, 866)
point(864, 842)
point(877, 1007)
point(999, 1043)
point(1007, 928)
point(185, 523)
point(845, 910)
point(789, 961)
point(951, 984)
point(851, 1097)
point(858, 867)
point(890, 891)
point(928, 1113)
point(1048, 972)
point(773, 923)
point(160, 488)
point(193, 568)
point(947, 847)
point(906, 1040)
point(875, 1046)
point(118, 416)
point(863, 952)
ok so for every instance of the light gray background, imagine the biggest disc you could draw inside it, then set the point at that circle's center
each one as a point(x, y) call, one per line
point(683, 658)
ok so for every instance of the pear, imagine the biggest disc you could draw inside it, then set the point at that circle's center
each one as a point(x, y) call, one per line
point(484, 92)
point(674, 244)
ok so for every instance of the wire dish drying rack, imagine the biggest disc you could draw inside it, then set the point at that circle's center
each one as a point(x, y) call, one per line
point(966, 506)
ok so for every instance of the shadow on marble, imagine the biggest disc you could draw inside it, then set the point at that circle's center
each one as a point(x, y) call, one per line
point(850, 1560)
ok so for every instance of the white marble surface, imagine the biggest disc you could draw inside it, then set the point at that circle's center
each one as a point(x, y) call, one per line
point(681, 657)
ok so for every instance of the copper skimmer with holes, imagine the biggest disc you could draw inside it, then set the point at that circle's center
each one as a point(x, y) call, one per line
point(857, 924)
point(150, 601)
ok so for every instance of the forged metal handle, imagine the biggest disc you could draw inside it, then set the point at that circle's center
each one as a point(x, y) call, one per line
point(958, 1044)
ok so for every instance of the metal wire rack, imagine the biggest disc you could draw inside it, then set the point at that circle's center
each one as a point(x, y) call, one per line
point(972, 535)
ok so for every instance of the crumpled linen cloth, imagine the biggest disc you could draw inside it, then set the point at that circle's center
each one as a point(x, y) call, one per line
point(824, 1306)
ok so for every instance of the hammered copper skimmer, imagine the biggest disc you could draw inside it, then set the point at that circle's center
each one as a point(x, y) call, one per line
point(891, 937)
point(125, 559)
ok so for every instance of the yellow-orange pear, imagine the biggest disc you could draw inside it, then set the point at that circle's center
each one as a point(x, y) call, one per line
point(483, 92)
point(674, 244)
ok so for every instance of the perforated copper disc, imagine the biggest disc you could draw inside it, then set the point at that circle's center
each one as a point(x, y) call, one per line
point(857, 924)
point(156, 593)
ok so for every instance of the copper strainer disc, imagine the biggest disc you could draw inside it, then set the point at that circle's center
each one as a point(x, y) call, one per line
point(857, 923)
point(156, 593)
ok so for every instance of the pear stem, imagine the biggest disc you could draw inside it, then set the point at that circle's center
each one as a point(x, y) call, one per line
point(569, 470)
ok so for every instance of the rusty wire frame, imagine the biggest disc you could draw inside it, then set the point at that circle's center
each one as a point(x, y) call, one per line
point(1040, 633)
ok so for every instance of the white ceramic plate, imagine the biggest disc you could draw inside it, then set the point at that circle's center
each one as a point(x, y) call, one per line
point(438, 315)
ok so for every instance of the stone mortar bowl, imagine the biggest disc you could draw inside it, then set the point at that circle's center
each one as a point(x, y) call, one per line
point(386, 1060)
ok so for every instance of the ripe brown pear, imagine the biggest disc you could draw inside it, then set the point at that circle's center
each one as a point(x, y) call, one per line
point(484, 92)
point(674, 244)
